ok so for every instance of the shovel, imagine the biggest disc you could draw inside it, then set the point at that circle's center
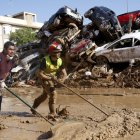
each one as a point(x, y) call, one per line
point(28, 105)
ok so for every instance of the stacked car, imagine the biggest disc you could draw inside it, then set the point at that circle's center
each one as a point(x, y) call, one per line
point(105, 21)
point(130, 21)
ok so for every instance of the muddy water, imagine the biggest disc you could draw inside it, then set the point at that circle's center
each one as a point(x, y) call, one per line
point(129, 97)
point(109, 96)
point(107, 99)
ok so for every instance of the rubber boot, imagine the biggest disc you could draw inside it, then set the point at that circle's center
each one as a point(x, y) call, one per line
point(33, 111)
point(34, 107)
point(0, 102)
point(52, 108)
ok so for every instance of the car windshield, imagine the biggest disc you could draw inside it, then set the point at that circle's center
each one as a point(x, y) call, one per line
point(109, 44)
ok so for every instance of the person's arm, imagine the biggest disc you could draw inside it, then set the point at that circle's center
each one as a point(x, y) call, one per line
point(64, 73)
point(41, 73)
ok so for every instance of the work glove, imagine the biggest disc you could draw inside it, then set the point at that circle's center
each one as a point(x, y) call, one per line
point(54, 78)
point(2, 84)
point(61, 81)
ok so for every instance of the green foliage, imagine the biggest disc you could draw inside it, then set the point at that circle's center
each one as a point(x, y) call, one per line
point(23, 36)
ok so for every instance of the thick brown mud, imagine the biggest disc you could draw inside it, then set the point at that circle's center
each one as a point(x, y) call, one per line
point(121, 104)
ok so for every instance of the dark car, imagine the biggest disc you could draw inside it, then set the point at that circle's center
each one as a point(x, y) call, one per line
point(105, 20)
point(60, 20)
point(64, 16)
point(130, 20)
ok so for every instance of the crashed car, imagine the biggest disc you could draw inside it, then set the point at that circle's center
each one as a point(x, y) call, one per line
point(105, 20)
point(122, 50)
point(130, 20)
point(60, 20)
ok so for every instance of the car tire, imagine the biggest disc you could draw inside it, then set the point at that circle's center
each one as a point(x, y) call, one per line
point(101, 60)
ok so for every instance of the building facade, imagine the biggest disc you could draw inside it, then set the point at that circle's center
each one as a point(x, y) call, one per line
point(10, 24)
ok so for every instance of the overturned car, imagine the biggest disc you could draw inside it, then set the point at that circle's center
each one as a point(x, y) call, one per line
point(60, 20)
point(105, 20)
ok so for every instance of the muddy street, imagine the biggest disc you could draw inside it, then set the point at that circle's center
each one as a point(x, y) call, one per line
point(83, 122)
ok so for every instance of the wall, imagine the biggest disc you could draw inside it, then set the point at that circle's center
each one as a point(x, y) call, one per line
point(9, 24)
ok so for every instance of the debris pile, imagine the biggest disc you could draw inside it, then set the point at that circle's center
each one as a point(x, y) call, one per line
point(99, 78)
point(129, 77)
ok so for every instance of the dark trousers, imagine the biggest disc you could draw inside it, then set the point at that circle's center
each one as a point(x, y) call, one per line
point(0, 102)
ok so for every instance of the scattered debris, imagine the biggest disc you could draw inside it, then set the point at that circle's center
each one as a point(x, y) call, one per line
point(63, 112)
point(99, 77)
point(2, 126)
point(129, 77)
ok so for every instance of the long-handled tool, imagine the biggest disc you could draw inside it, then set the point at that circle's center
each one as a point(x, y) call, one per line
point(82, 97)
point(28, 105)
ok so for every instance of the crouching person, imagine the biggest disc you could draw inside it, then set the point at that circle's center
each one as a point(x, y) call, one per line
point(50, 66)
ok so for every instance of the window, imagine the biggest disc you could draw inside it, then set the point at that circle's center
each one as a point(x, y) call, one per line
point(6, 29)
point(122, 44)
point(116, 45)
point(136, 42)
point(126, 43)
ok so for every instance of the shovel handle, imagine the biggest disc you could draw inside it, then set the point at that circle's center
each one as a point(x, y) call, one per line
point(28, 105)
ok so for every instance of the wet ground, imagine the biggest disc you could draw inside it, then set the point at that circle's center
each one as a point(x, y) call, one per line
point(17, 123)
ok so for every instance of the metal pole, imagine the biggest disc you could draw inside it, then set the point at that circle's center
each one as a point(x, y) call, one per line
point(28, 105)
point(127, 5)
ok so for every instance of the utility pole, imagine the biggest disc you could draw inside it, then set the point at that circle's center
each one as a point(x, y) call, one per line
point(127, 6)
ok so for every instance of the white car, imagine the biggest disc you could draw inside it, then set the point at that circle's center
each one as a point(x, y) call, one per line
point(122, 50)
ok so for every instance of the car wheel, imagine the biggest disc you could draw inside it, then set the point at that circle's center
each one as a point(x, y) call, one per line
point(101, 60)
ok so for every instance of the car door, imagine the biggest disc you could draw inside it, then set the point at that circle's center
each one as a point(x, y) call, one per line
point(121, 51)
point(136, 48)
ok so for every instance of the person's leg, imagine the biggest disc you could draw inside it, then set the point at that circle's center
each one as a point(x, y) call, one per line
point(0, 102)
point(0, 98)
point(52, 102)
point(39, 100)
point(42, 97)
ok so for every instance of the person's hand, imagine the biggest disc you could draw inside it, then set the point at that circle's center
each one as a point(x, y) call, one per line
point(2, 84)
point(54, 78)
point(60, 81)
